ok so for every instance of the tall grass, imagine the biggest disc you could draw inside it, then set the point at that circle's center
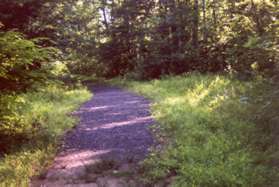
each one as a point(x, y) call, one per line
point(208, 131)
point(45, 113)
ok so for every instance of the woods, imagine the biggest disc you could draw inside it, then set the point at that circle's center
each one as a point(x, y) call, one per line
point(153, 38)
point(48, 47)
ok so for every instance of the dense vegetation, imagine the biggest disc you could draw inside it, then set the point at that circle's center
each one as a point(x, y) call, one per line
point(34, 102)
point(34, 107)
point(216, 131)
point(146, 39)
point(218, 126)
point(31, 125)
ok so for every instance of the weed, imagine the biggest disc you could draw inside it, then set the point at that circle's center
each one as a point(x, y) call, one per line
point(44, 115)
point(207, 131)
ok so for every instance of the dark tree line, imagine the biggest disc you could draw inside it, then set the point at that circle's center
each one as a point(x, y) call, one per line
point(148, 38)
point(174, 36)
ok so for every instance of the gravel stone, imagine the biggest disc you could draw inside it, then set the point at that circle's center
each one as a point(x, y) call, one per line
point(113, 126)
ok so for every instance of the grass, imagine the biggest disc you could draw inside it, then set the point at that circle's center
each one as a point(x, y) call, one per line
point(209, 132)
point(45, 114)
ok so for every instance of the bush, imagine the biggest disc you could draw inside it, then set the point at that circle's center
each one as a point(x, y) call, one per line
point(23, 62)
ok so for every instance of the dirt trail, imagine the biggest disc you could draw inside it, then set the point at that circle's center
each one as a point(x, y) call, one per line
point(110, 139)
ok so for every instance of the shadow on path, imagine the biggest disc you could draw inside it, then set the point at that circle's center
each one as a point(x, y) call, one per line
point(113, 126)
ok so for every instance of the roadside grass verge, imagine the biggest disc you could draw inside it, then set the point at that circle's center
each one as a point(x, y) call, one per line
point(39, 119)
point(215, 131)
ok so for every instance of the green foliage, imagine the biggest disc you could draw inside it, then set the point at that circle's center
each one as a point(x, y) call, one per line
point(156, 38)
point(147, 39)
point(215, 131)
point(85, 65)
point(31, 125)
point(227, 135)
point(22, 61)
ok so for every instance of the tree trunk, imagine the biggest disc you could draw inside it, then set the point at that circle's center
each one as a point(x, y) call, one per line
point(103, 8)
point(214, 15)
point(204, 20)
point(195, 34)
point(255, 15)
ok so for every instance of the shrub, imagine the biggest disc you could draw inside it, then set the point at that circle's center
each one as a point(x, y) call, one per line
point(23, 62)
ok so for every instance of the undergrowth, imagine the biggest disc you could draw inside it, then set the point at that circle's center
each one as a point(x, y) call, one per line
point(33, 128)
point(215, 131)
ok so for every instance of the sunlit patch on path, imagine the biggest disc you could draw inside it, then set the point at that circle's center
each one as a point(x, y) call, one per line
point(113, 126)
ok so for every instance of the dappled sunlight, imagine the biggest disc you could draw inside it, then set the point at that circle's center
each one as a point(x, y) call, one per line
point(77, 158)
point(193, 91)
point(92, 109)
point(204, 66)
point(45, 109)
point(174, 100)
point(196, 96)
point(139, 121)
point(113, 125)
point(216, 102)
point(132, 102)
point(204, 90)
point(200, 116)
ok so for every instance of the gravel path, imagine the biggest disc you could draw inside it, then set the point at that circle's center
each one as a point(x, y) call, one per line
point(113, 129)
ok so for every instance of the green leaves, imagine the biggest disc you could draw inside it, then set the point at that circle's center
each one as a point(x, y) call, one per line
point(22, 61)
point(30, 126)
point(252, 42)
